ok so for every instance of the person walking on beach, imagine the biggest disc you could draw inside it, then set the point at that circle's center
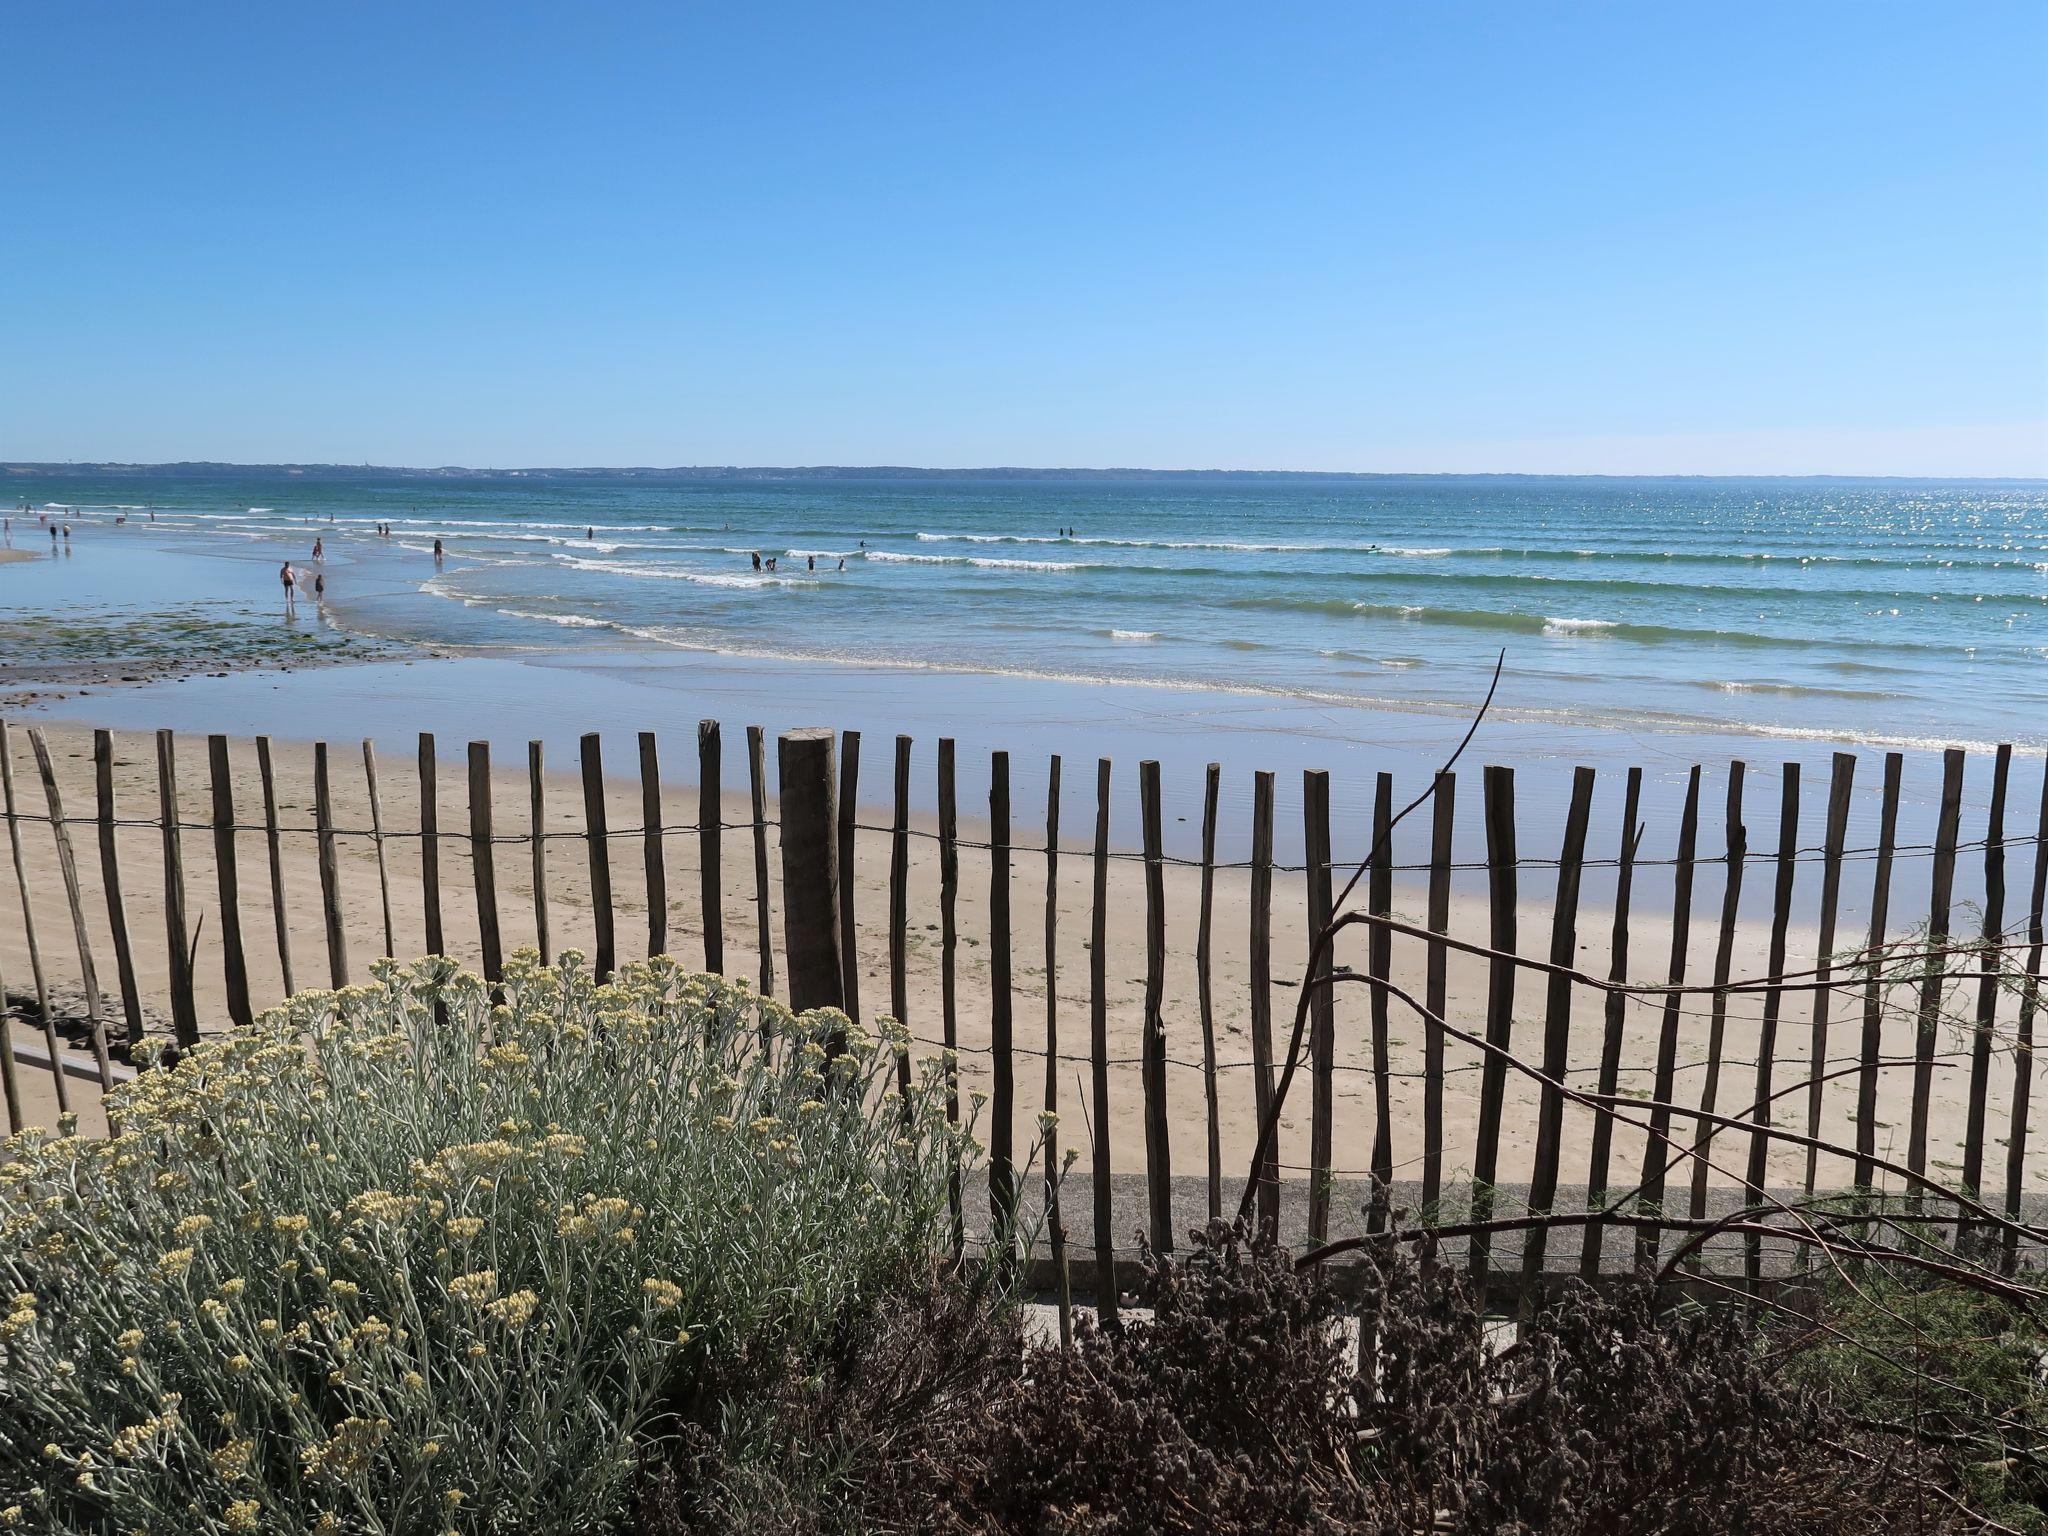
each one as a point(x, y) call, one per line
point(286, 575)
point(319, 550)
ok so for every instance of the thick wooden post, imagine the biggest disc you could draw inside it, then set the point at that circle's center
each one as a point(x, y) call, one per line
point(1002, 1177)
point(810, 868)
point(1557, 1024)
point(330, 871)
point(110, 880)
point(1840, 786)
point(1873, 985)
point(710, 841)
point(1098, 1055)
point(597, 842)
point(1614, 1016)
point(537, 814)
point(483, 861)
point(1152, 1056)
point(1315, 814)
point(847, 815)
point(184, 1006)
point(430, 845)
point(757, 785)
point(234, 964)
point(273, 847)
point(653, 849)
point(377, 834)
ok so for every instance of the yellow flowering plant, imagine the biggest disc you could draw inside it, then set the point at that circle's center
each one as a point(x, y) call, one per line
point(411, 1258)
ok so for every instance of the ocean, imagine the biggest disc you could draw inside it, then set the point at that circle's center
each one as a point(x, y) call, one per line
point(1882, 613)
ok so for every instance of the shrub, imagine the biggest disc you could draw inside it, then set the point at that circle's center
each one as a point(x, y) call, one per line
point(400, 1260)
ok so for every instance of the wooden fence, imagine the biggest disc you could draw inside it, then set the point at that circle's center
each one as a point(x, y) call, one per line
point(1558, 1061)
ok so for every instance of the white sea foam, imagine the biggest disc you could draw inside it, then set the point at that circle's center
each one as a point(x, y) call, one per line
point(1578, 626)
point(1134, 634)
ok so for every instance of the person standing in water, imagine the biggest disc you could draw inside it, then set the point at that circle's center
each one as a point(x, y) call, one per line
point(319, 550)
point(438, 552)
point(286, 575)
point(319, 586)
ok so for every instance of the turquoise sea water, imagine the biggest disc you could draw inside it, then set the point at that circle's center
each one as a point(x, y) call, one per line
point(1882, 612)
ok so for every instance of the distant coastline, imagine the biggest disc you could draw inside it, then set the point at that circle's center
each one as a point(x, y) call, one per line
point(826, 473)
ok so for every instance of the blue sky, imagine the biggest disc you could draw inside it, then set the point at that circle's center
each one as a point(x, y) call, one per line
point(1616, 237)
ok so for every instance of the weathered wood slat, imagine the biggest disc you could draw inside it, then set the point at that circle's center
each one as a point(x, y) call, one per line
point(1658, 1147)
point(1379, 960)
point(1261, 945)
point(1927, 1036)
point(2023, 1033)
point(764, 917)
point(177, 943)
point(1557, 1022)
point(111, 888)
point(849, 867)
point(28, 922)
point(377, 836)
point(483, 861)
point(234, 964)
point(67, 864)
point(1152, 1050)
point(1098, 1055)
point(1873, 986)
point(330, 870)
point(1002, 1181)
point(1992, 929)
point(1613, 1018)
point(1498, 795)
point(949, 941)
point(1724, 960)
point(899, 904)
point(597, 845)
point(1056, 1231)
point(273, 847)
point(810, 877)
point(653, 846)
point(1205, 987)
point(1841, 783)
point(537, 820)
point(430, 845)
point(710, 843)
point(1762, 1110)
point(1436, 978)
point(1322, 1048)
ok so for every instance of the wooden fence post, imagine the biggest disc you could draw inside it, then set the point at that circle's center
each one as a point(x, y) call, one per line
point(1993, 930)
point(1873, 986)
point(653, 848)
point(184, 1006)
point(2023, 1038)
point(597, 842)
point(1656, 1159)
point(1936, 969)
point(1098, 1055)
point(537, 791)
point(330, 871)
point(1614, 1018)
point(1205, 990)
point(1056, 1231)
point(1499, 795)
point(483, 861)
point(1002, 1179)
point(377, 835)
point(1315, 814)
point(273, 848)
point(810, 873)
point(899, 905)
point(710, 844)
point(1267, 1174)
point(949, 937)
point(28, 925)
point(1443, 815)
point(846, 866)
point(1840, 786)
point(1379, 949)
point(67, 863)
point(235, 965)
point(757, 784)
point(1774, 998)
point(430, 845)
point(1158, 1145)
point(110, 880)
point(1557, 1025)
point(1724, 959)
